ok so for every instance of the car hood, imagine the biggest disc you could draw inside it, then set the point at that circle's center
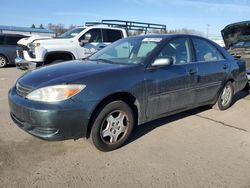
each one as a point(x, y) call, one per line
point(54, 41)
point(26, 41)
point(44, 41)
point(67, 72)
point(236, 32)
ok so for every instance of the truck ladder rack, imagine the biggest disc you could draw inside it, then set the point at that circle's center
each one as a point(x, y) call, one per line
point(130, 25)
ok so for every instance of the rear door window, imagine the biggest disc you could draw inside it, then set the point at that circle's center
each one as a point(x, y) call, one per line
point(205, 51)
point(9, 40)
point(111, 35)
point(1, 40)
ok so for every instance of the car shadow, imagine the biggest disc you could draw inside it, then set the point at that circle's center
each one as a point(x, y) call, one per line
point(145, 128)
point(241, 95)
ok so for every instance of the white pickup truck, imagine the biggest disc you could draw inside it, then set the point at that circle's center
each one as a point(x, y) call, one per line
point(77, 43)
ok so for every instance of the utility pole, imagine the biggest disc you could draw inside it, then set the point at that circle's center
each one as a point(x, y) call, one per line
point(208, 26)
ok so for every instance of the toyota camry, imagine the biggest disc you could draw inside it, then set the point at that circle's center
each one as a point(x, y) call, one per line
point(128, 83)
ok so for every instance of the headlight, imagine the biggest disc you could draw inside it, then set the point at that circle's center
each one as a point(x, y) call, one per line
point(32, 47)
point(55, 93)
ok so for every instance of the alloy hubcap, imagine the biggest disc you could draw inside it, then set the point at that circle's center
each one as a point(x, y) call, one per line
point(2, 62)
point(226, 95)
point(114, 127)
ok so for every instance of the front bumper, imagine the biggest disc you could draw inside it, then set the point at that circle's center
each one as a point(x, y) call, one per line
point(67, 120)
point(24, 65)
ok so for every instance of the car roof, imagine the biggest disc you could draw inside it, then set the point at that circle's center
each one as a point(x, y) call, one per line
point(170, 36)
point(167, 36)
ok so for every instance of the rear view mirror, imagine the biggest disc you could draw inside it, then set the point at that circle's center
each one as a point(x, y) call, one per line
point(163, 61)
point(86, 39)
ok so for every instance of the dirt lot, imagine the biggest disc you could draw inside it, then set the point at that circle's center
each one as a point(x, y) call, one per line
point(198, 148)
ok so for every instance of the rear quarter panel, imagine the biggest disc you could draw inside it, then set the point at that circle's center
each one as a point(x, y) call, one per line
point(238, 73)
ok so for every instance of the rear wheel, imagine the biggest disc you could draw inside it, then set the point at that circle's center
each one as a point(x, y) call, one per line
point(3, 61)
point(112, 126)
point(225, 99)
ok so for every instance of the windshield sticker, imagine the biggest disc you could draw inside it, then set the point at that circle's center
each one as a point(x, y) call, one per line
point(74, 34)
point(152, 40)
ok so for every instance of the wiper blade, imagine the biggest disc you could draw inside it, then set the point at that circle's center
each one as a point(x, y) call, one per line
point(104, 60)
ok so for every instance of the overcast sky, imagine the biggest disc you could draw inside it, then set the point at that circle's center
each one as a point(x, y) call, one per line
point(176, 14)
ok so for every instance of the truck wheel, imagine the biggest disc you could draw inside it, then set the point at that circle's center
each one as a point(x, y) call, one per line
point(3, 61)
point(225, 98)
point(247, 87)
point(112, 126)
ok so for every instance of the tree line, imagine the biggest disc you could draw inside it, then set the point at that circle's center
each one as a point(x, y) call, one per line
point(57, 28)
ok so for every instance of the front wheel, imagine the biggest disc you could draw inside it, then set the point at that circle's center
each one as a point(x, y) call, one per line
point(225, 98)
point(112, 126)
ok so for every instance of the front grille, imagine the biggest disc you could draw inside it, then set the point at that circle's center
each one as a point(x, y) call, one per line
point(22, 90)
point(18, 121)
point(19, 53)
point(23, 47)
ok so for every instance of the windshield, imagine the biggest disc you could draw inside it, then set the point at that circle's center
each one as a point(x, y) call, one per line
point(71, 33)
point(242, 44)
point(127, 51)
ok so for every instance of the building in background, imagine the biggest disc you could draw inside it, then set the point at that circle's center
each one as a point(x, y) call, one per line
point(27, 31)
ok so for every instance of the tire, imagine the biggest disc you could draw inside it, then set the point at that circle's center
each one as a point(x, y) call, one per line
point(247, 87)
point(3, 61)
point(225, 98)
point(112, 126)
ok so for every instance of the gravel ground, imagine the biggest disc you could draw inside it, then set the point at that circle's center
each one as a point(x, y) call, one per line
point(198, 148)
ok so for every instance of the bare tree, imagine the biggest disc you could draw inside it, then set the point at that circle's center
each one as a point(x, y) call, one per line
point(170, 31)
point(185, 31)
point(72, 26)
point(57, 28)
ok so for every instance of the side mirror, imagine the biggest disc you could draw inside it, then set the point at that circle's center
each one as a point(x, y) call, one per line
point(163, 62)
point(86, 39)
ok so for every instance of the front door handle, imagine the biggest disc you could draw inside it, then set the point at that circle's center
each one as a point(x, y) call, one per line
point(225, 66)
point(101, 47)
